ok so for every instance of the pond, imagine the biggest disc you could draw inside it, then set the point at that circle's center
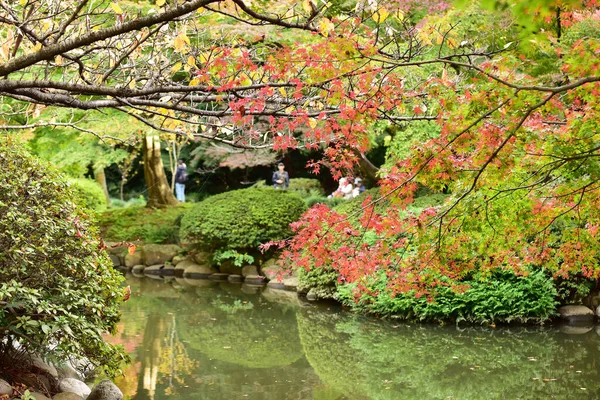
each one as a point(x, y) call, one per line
point(203, 340)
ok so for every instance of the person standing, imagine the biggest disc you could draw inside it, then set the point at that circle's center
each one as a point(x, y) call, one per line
point(281, 179)
point(181, 178)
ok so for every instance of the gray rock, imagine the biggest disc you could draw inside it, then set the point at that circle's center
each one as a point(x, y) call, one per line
point(227, 267)
point(116, 260)
point(575, 329)
point(255, 280)
point(67, 396)
point(5, 388)
point(153, 254)
point(276, 284)
point(181, 266)
point(250, 289)
point(576, 314)
point(249, 270)
point(199, 271)
point(44, 366)
point(39, 396)
point(281, 296)
point(132, 260)
point(598, 311)
point(67, 371)
point(291, 284)
point(199, 282)
point(235, 278)
point(203, 258)
point(219, 277)
point(312, 295)
point(139, 268)
point(74, 386)
point(161, 269)
point(177, 259)
point(106, 390)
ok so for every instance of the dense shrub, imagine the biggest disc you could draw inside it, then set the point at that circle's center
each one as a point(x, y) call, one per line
point(89, 194)
point(303, 187)
point(141, 223)
point(57, 289)
point(500, 297)
point(241, 219)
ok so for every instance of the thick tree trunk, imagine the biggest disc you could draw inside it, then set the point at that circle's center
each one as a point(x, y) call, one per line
point(159, 192)
point(101, 179)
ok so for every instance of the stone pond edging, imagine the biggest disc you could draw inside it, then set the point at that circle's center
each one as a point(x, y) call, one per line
point(158, 261)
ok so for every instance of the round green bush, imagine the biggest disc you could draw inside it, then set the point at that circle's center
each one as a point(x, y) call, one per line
point(241, 219)
point(303, 187)
point(58, 291)
point(89, 194)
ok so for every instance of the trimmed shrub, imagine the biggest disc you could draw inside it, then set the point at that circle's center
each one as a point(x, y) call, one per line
point(58, 291)
point(89, 194)
point(150, 225)
point(241, 219)
point(303, 187)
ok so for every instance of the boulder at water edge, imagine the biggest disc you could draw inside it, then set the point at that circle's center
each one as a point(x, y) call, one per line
point(5, 388)
point(153, 254)
point(39, 396)
point(74, 386)
point(44, 367)
point(576, 314)
point(160, 269)
point(67, 396)
point(106, 390)
point(249, 270)
point(198, 271)
point(132, 260)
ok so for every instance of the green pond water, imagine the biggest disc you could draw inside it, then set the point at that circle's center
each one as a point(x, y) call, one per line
point(203, 340)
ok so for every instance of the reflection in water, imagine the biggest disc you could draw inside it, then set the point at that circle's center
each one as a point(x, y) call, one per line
point(217, 342)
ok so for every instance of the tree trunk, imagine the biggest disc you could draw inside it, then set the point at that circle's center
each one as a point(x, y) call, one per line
point(101, 179)
point(159, 192)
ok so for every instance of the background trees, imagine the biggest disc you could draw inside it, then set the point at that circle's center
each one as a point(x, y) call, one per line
point(511, 94)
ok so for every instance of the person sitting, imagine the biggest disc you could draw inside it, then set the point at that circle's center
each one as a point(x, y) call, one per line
point(358, 187)
point(344, 190)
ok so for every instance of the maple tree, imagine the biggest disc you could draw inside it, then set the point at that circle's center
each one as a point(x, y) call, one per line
point(513, 94)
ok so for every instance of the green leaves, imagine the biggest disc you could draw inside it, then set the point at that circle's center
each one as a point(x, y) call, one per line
point(58, 288)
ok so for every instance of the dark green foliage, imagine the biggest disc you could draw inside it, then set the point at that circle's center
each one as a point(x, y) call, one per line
point(141, 223)
point(330, 202)
point(89, 194)
point(303, 187)
point(500, 297)
point(56, 287)
point(241, 219)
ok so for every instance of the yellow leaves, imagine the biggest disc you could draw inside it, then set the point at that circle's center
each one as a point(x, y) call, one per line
point(176, 68)
point(23, 2)
point(179, 44)
point(116, 8)
point(307, 7)
point(282, 91)
point(326, 26)
point(37, 47)
point(312, 122)
point(132, 84)
point(160, 3)
point(400, 15)
point(194, 82)
point(204, 57)
point(191, 61)
point(58, 60)
point(380, 15)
